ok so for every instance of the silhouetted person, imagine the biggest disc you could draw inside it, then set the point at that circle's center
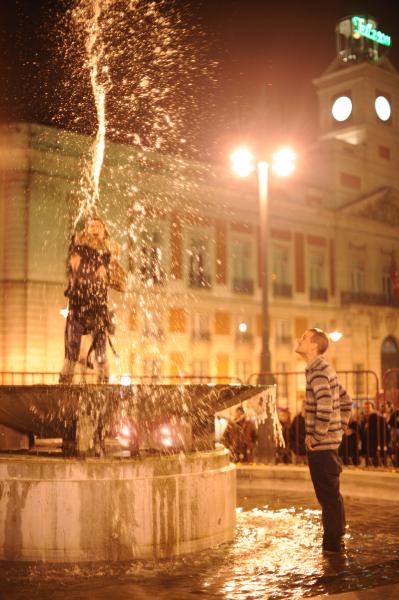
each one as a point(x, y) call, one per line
point(394, 436)
point(349, 448)
point(374, 435)
point(283, 453)
point(297, 437)
point(240, 437)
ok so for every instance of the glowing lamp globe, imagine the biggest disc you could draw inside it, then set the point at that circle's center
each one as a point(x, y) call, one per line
point(284, 162)
point(242, 161)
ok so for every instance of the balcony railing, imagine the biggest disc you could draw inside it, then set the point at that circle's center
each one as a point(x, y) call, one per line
point(349, 297)
point(318, 294)
point(243, 286)
point(244, 338)
point(154, 333)
point(283, 290)
point(151, 277)
point(200, 281)
point(201, 336)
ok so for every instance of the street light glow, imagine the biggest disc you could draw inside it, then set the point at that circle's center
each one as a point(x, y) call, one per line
point(242, 161)
point(284, 161)
point(125, 380)
point(243, 164)
point(335, 336)
point(243, 327)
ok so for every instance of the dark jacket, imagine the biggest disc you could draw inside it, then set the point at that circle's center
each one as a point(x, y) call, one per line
point(87, 292)
point(297, 435)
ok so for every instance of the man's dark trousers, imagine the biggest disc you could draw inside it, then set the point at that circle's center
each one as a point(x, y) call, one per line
point(325, 469)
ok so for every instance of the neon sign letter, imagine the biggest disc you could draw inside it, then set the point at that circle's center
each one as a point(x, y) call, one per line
point(366, 29)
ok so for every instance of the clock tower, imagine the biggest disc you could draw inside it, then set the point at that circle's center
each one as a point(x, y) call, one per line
point(359, 111)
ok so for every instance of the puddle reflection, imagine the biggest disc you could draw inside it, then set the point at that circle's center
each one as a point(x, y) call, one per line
point(275, 555)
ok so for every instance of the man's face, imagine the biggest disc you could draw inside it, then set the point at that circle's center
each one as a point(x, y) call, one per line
point(96, 229)
point(238, 413)
point(368, 408)
point(304, 344)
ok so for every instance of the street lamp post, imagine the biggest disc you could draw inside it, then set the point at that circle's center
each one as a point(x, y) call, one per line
point(243, 165)
point(263, 188)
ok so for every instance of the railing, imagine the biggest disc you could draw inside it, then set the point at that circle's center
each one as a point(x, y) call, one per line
point(349, 297)
point(372, 438)
point(154, 334)
point(369, 439)
point(244, 337)
point(283, 290)
point(200, 280)
point(29, 378)
point(388, 404)
point(51, 378)
point(318, 294)
point(201, 336)
point(243, 286)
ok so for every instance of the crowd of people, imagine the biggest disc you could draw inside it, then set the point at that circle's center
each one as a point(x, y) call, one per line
point(370, 439)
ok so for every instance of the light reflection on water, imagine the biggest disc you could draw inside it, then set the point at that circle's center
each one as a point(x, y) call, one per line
point(275, 555)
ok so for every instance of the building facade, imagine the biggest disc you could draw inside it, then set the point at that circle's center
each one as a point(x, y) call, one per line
point(189, 235)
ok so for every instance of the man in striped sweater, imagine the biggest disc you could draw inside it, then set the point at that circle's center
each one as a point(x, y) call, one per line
point(327, 412)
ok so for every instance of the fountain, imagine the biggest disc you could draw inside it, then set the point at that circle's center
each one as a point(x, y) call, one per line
point(173, 493)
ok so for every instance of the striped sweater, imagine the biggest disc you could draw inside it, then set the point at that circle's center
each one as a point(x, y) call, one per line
point(328, 406)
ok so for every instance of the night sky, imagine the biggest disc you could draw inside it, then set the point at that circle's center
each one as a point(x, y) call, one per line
point(267, 54)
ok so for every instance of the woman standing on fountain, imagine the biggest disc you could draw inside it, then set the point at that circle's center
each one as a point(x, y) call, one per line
point(89, 265)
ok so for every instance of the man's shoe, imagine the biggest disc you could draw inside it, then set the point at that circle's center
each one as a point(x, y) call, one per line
point(334, 549)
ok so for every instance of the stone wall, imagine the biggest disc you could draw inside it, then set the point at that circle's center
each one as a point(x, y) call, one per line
point(59, 510)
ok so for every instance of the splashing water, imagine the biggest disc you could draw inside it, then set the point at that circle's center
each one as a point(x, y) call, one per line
point(146, 67)
point(100, 83)
point(134, 75)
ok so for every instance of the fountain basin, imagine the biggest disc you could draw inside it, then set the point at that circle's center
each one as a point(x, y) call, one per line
point(83, 415)
point(67, 510)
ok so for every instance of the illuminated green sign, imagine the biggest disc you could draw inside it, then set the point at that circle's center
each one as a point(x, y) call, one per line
point(366, 29)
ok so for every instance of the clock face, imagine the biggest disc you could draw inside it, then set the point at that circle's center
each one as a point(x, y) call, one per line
point(342, 108)
point(382, 108)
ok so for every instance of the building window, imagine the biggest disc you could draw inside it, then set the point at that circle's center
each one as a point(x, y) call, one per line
point(387, 284)
point(242, 266)
point(358, 379)
point(350, 181)
point(201, 326)
point(152, 324)
point(282, 383)
point(316, 270)
point(152, 367)
point(318, 289)
point(283, 331)
point(243, 370)
point(222, 322)
point(177, 320)
point(281, 271)
point(200, 368)
point(384, 152)
point(151, 260)
point(357, 275)
point(198, 262)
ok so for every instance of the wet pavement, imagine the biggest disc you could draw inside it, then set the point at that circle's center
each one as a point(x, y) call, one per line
point(275, 555)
